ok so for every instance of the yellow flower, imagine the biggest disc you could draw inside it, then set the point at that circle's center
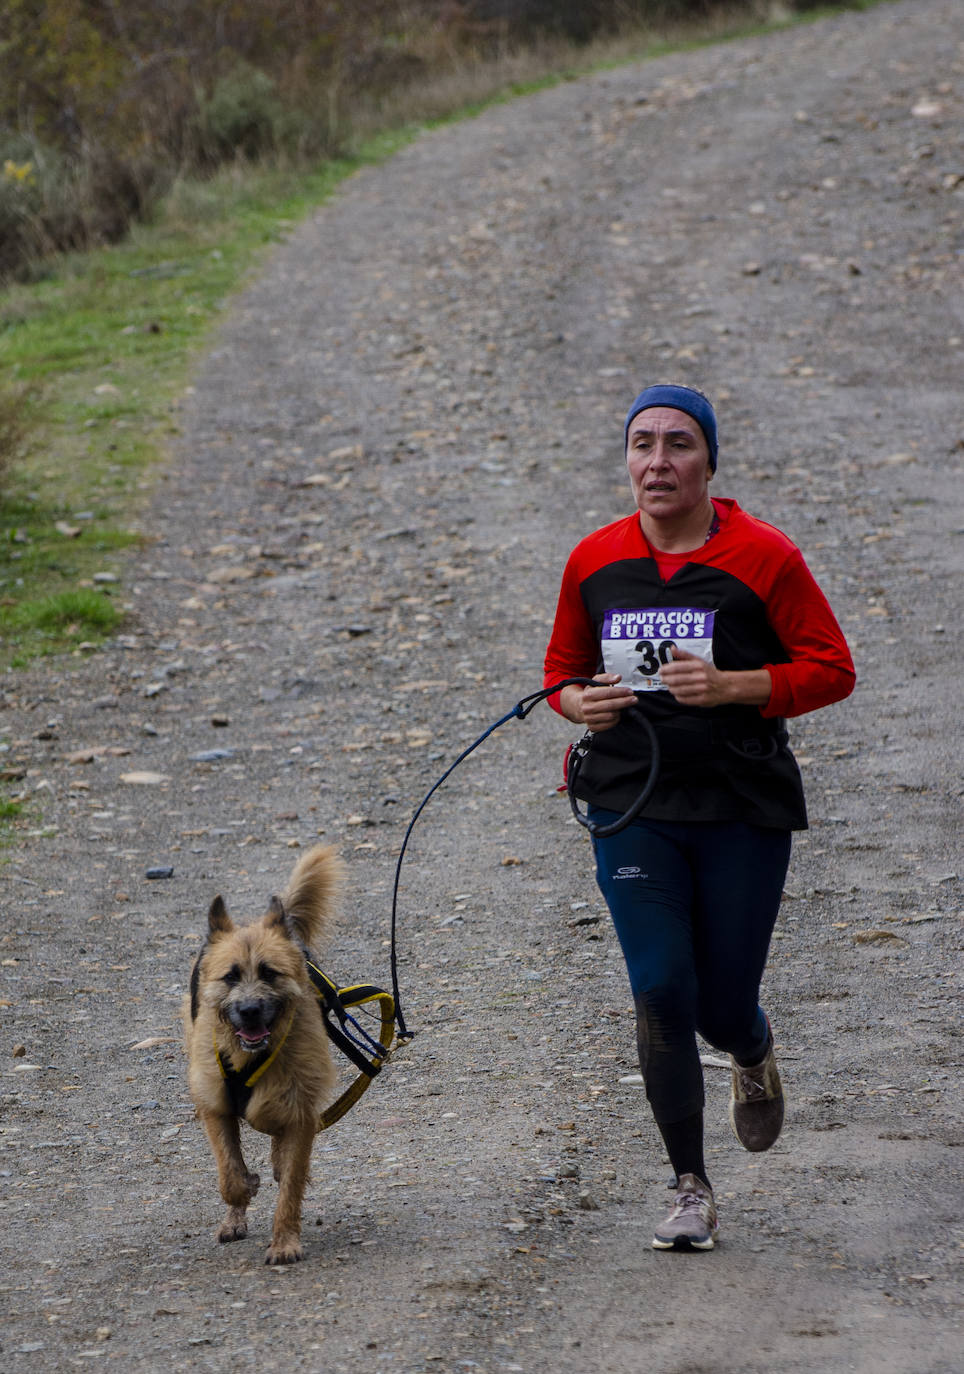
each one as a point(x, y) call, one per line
point(18, 171)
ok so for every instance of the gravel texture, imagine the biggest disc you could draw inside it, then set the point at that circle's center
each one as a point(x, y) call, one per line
point(397, 436)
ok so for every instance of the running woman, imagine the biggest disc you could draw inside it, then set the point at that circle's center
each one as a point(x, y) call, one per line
point(708, 622)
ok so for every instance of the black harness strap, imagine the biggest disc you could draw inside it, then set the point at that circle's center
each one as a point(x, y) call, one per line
point(238, 1085)
point(365, 1052)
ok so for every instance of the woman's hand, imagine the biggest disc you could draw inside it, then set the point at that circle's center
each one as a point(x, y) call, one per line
point(694, 682)
point(599, 707)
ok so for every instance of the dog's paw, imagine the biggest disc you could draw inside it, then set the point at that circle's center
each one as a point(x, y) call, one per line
point(285, 1251)
point(233, 1227)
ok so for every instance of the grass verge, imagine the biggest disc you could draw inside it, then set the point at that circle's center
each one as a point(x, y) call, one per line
point(104, 346)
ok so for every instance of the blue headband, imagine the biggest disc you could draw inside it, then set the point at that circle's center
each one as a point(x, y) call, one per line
point(692, 403)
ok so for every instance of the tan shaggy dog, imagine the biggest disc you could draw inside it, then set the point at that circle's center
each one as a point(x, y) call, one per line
point(258, 1048)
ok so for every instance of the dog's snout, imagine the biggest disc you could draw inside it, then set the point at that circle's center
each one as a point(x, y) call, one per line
point(250, 1013)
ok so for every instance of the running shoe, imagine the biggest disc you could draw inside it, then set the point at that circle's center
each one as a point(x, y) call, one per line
point(756, 1104)
point(692, 1224)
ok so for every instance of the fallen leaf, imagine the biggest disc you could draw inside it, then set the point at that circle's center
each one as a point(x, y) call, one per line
point(221, 575)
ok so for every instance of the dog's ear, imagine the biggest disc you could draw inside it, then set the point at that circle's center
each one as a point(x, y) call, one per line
point(218, 918)
point(278, 916)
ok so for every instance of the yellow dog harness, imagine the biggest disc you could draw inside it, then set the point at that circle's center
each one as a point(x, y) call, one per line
point(365, 1052)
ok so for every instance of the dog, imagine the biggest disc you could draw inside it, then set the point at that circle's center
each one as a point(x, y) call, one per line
point(257, 1046)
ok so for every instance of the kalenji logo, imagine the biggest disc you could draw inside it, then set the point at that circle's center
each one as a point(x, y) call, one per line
point(630, 871)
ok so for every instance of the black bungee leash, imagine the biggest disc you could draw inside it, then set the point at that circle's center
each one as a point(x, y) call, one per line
point(577, 756)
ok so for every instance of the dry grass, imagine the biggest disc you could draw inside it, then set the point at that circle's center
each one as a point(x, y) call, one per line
point(15, 400)
point(462, 78)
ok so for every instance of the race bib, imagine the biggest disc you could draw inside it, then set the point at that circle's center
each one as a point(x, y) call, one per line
point(636, 643)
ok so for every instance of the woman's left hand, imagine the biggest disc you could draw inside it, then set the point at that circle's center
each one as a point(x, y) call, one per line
point(694, 682)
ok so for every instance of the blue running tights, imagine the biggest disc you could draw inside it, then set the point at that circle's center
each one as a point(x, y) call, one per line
point(694, 907)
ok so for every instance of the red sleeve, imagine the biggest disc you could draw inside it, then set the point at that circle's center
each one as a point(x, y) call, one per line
point(572, 651)
point(821, 669)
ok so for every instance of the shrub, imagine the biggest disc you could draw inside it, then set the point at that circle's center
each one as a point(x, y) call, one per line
point(241, 115)
point(50, 202)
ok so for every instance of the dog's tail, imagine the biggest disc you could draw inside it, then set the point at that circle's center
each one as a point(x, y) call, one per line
point(309, 898)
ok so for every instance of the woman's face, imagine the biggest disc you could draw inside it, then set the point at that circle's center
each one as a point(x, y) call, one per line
point(669, 463)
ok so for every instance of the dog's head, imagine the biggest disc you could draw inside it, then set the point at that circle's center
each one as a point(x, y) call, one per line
point(251, 975)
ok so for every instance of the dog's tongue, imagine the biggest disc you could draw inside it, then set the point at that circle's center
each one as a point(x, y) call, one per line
point(251, 1039)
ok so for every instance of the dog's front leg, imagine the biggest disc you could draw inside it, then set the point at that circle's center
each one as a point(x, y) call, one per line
point(291, 1154)
point(237, 1185)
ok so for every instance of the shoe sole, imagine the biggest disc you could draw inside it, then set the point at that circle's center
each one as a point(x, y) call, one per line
point(684, 1243)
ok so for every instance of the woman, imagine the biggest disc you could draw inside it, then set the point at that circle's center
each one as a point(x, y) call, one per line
point(709, 623)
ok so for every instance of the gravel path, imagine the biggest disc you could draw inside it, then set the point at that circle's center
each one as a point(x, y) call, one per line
point(401, 431)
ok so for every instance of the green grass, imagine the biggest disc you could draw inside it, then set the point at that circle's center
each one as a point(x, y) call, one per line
point(10, 813)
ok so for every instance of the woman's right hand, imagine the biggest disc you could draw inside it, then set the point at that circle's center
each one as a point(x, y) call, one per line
point(599, 707)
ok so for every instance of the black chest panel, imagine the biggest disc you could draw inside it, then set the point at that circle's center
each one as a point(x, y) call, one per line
point(742, 635)
point(701, 778)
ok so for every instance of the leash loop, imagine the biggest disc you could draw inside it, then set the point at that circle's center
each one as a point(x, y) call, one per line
point(577, 756)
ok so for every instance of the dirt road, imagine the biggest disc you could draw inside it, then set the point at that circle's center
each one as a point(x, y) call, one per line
point(402, 429)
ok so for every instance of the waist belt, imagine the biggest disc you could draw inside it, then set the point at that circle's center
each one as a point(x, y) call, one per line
point(756, 741)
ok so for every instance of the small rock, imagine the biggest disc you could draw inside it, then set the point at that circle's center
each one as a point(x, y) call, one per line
point(160, 872)
point(19, 1051)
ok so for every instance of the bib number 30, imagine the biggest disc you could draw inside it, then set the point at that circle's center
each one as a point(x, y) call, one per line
point(652, 656)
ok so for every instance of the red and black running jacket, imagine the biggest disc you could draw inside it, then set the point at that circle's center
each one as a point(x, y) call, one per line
point(718, 763)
